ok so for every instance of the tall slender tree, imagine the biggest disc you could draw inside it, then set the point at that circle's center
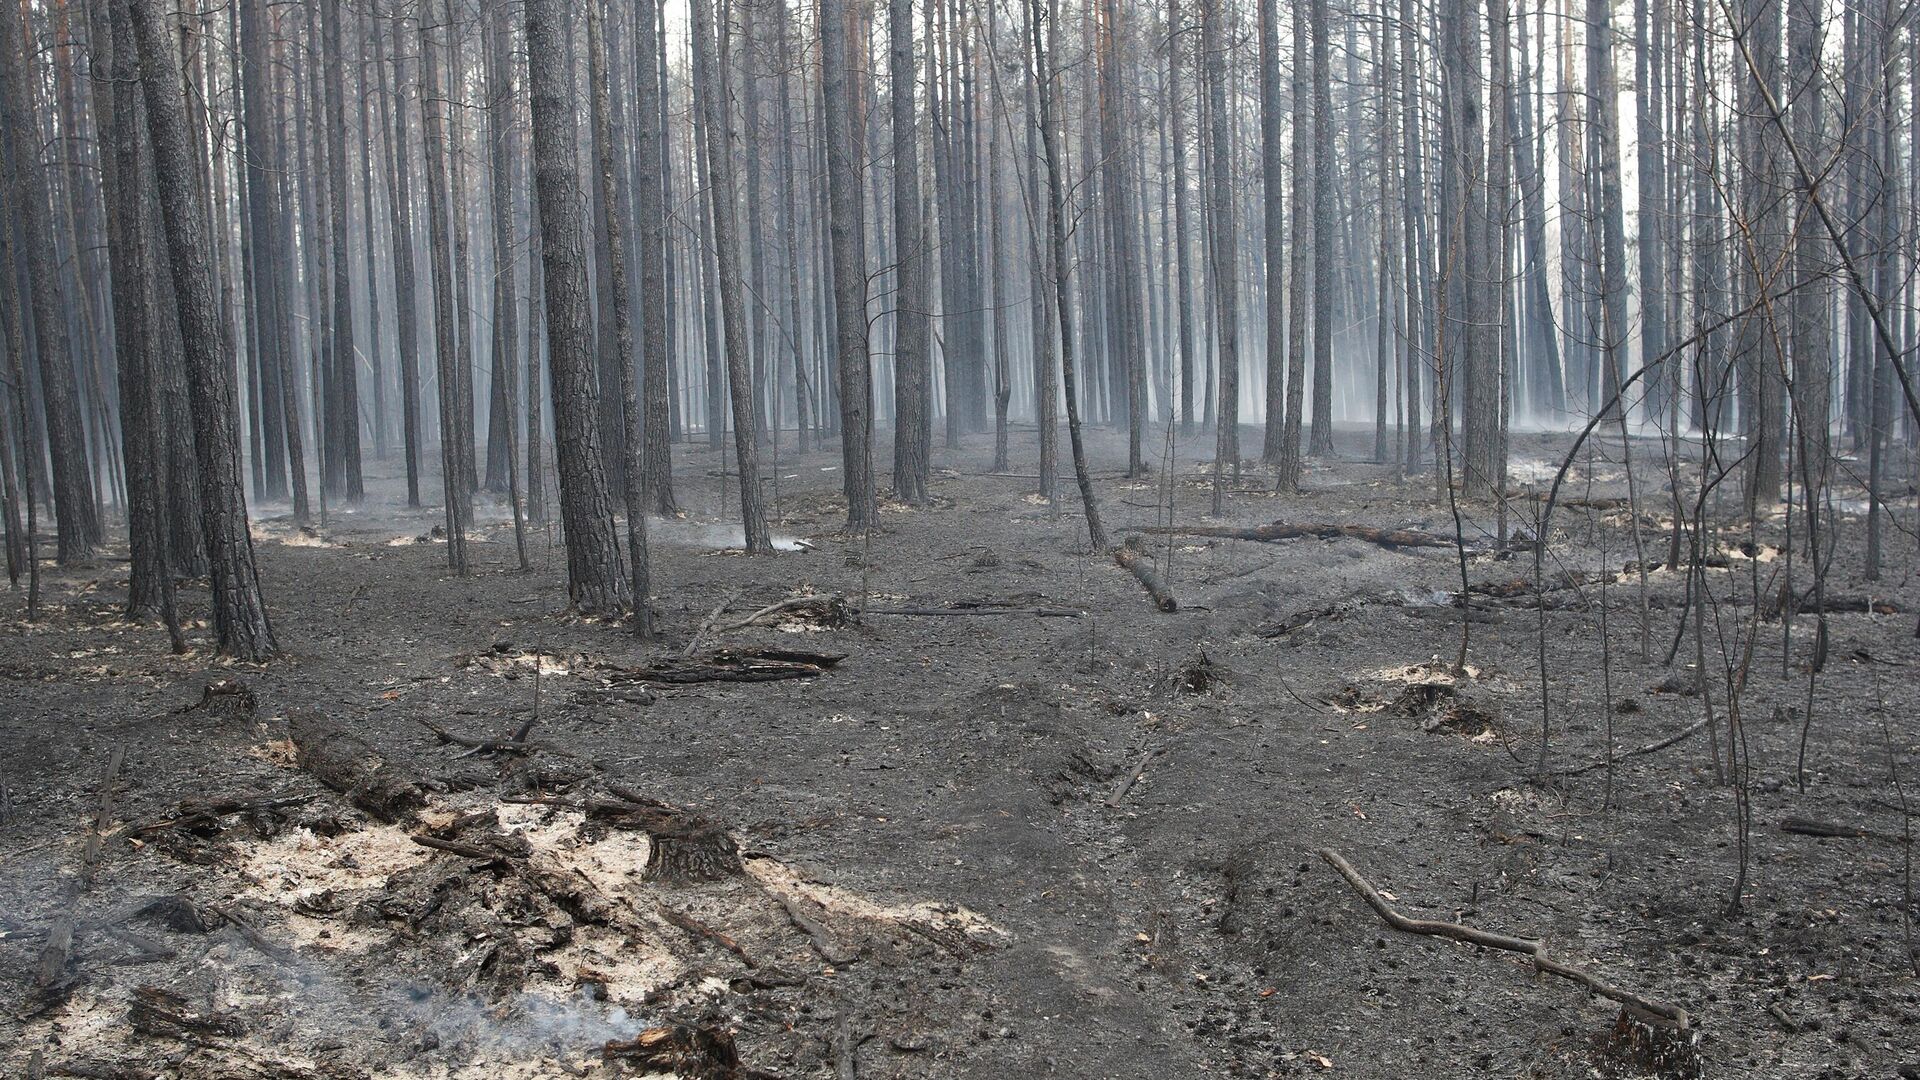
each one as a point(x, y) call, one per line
point(241, 626)
point(844, 115)
point(75, 518)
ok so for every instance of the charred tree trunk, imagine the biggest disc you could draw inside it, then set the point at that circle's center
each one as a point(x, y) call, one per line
point(1273, 210)
point(712, 91)
point(75, 518)
point(1226, 250)
point(1044, 45)
point(912, 377)
point(616, 297)
point(400, 231)
point(649, 191)
point(240, 619)
point(594, 582)
point(845, 127)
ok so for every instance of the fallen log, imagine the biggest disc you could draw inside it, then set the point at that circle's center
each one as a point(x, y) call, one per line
point(1835, 830)
point(161, 1013)
point(51, 969)
point(1280, 530)
point(1130, 558)
point(348, 764)
point(1657, 1013)
point(1833, 605)
point(732, 665)
point(200, 813)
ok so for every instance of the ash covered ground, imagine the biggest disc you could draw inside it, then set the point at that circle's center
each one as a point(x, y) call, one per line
point(1080, 843)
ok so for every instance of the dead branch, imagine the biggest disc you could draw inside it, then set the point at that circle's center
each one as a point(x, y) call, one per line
point(693, 643)
point(704, 932)
point(823, 940)
point(1129, 557)
point(831, 608)
point(1653, 1012)
point(251, 934)
point(1280, 530)
point(1127, 783)
point(1656, 746)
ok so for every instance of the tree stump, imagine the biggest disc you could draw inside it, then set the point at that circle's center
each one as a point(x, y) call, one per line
point(688, 848)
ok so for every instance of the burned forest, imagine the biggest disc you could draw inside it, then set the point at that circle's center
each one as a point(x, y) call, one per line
point(836, 539)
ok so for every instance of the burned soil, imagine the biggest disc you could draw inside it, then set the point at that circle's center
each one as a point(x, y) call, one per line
point(956, 800)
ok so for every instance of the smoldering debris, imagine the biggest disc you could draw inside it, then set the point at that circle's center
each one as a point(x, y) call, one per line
point(470, 937)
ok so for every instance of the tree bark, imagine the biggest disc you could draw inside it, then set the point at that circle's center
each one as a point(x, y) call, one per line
point(649, 191)
point(1226, 251)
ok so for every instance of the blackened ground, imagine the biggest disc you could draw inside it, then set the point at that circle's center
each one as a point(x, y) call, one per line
point(972, 764)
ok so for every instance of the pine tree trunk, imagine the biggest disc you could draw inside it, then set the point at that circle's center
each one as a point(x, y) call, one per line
point(506, 292)
point(1226, 251)
point(453, 441)
point(845, 125)
point(1044, 48)
point(240, 619)
point(712, 92)
point(1320, 440)
point(344, 381)
point(650, 206)
point(617, 300)
point(1130, 363)
point(1183, 247)
point(594, 582)
point(400, 231)
point(31, 203)
point(912, 382)
point(1273, 208)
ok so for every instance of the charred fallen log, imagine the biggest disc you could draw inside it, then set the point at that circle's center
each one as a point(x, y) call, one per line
point(1133, 561)
point(731, 665)
point(350, 765)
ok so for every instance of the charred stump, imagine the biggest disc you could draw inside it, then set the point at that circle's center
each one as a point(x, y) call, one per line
point(688, 848)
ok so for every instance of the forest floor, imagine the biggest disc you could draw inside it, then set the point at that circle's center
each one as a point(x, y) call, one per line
point(979, 845)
